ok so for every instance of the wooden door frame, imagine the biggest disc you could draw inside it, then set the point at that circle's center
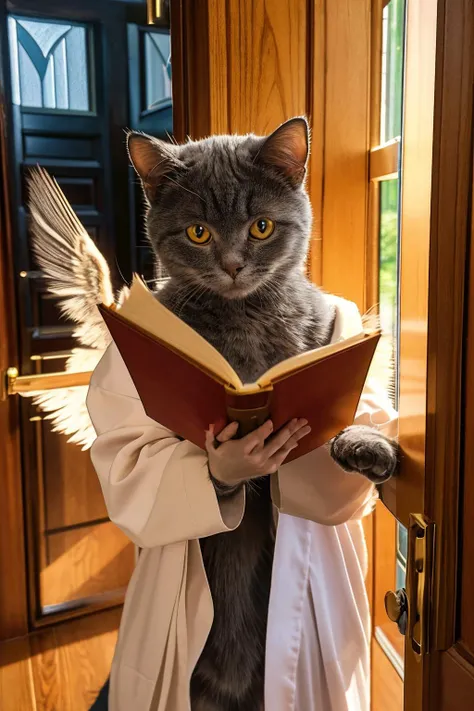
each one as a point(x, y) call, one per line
point(436, 204)
point(13, 584)
point(450, 230)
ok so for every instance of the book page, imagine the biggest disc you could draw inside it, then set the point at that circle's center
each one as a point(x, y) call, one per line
point(301, 360)
point(142, 309)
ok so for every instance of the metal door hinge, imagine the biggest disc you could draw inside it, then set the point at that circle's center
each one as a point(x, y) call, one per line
point(421, 533)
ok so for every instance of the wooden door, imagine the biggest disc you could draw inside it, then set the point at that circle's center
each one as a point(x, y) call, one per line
point(452, 675)
point(74, 78)
point(418, 232)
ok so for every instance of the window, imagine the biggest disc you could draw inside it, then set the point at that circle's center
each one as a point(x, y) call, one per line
point(390, 536)
point(393, 21)
point(50, 65)
point(388, 280)
point(157, 69)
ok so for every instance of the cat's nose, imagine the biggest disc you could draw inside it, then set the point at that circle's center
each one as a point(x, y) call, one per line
point(233, 267)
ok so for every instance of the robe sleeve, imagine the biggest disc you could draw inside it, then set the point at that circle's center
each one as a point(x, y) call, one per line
point(157, 488)
point(314, 487)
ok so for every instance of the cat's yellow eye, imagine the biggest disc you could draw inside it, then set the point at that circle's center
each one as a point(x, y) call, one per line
point(198, 234)
point(262, 228)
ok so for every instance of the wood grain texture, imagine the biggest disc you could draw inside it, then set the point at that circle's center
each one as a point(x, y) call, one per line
point(417, 155)
point(383, 161)
point(262, 62)
point(407, 493)
point(59, 669)
point(467, 579)
point(466, 626)
point(451, 208)
point(387, 686)
point(219, 94)
point(194, 56)
point(89, 648)
point(13, 594)
point(72, 492)
point(373, 225)
point(178, 87)
point(85, 562)
point(71, 662)
point(317, 115)
point(346, 143)
point(267, 50)
point(16, 684)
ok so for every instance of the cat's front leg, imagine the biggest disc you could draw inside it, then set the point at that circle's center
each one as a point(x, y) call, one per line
point(365, 450)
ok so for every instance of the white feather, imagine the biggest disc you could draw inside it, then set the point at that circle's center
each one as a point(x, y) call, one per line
point(77, 272)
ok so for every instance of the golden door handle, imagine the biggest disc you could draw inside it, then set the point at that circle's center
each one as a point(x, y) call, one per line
point(17, 384)
point(421, 535)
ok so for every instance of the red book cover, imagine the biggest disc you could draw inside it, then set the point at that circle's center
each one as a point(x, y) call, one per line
point(182, 396)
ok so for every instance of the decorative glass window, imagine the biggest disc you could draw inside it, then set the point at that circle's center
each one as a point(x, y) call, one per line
point(157, 69)
point(50, 64)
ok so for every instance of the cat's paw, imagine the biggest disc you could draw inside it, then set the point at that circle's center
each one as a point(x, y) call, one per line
point(367, 451)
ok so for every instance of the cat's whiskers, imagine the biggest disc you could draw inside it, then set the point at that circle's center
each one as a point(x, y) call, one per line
point(195, 293)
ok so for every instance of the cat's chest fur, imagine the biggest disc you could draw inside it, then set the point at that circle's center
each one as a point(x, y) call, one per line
point(255, 334)
point(265, 340)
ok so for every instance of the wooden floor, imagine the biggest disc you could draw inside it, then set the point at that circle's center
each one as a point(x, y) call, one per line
point(58, 669)
point(387, 687)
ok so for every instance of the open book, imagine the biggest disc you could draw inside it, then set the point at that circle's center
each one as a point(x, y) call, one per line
point(185, 384)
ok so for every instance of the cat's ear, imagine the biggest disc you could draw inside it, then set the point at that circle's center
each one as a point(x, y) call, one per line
point(152, 159)
point(287, 149)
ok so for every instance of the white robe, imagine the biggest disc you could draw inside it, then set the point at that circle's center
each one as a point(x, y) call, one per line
point(158, 491)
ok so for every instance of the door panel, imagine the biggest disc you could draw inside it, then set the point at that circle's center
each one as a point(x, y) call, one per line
point(98, 562)
point(456, 684)
point(453, 674)
point(72, 493)
point(71, 79)
point(60, 120)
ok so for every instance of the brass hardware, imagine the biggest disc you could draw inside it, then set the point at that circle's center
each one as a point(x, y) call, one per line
point(36, 418)
point(419, 577)
point(410, 608)
point(22, 384)
point(155, 11)
point(56, 355)
point(396, 607)
point(23, 274)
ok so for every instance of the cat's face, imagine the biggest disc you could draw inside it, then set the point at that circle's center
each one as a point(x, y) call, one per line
point(227, 213)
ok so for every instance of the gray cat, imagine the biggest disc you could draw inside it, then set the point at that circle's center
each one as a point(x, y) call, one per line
point(230, 220)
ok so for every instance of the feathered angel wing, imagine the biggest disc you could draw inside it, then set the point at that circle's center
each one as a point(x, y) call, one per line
point(77, 272)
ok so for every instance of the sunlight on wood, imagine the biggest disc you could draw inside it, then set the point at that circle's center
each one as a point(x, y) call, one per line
point(86, 562)
point(387, 687)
